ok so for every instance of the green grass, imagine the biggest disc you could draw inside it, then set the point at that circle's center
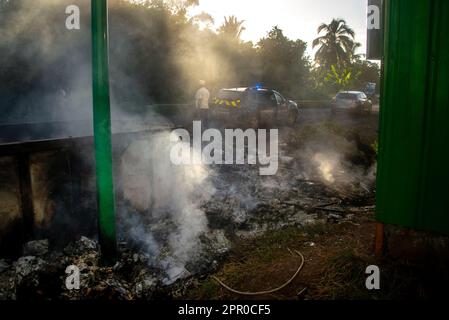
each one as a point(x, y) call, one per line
point(260, 255)
point(335, 267)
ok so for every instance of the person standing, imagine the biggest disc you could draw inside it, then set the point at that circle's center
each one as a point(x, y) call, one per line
point(202, 97)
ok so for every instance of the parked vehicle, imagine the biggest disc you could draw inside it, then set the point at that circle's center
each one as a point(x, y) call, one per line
point(352, 101)
point(370, 91)
point(265, 106)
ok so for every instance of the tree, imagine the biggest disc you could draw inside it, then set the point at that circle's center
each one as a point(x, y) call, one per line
point(283, 63)
point(335, 45)
point(341, 77)
point(181, 6)
point(204, 19)
point(368, 72)
point(353, 55)
point(232, 28)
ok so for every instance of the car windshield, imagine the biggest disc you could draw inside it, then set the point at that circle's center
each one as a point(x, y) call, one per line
point(280, 98)
point(347, 96)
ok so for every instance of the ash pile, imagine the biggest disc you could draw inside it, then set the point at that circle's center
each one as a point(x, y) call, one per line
point(176, 226)
point(323, 176)
point(42, 273)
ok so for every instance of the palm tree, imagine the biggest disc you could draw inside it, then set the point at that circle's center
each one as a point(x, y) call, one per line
point(335, 44)
point(232, 28)
point(353, 56)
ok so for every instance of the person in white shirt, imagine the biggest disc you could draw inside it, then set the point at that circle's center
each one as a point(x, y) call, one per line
point(202, 97)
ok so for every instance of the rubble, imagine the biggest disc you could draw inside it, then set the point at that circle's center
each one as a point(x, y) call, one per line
point(36, 248)
point(7, 281)
point(245, 205)
point(4, 265)
point(145, 286)
point(82, 246)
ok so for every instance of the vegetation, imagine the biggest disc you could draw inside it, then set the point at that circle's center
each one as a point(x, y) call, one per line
point(232, 28)
point(336, 258)
point(338, 65)
point(157, 55)
point(336, 45)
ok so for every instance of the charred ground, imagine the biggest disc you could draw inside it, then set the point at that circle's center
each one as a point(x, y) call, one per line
point(325, 181)
point(321, 202)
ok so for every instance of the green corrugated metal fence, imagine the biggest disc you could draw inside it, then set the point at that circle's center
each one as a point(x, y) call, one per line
point(413, 170)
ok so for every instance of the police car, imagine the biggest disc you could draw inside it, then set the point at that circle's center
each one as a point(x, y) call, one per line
point(263, 105)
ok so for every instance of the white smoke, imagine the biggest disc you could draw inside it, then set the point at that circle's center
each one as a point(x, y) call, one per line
point(167, 197)
point(326, 157)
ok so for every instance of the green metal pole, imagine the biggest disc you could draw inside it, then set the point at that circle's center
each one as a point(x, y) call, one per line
point(102, 131)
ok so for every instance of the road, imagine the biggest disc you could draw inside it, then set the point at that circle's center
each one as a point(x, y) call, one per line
point(10, 133)
point(318, 115)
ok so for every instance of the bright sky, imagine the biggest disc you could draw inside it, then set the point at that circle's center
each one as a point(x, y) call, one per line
point(298, 18)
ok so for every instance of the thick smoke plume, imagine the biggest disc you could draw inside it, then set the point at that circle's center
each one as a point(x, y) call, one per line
point(163, 203)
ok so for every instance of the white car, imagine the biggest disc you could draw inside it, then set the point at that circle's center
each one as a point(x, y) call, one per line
point(353, 101)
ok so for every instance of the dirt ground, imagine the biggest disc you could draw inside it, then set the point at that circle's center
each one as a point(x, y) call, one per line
point(336, 258)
